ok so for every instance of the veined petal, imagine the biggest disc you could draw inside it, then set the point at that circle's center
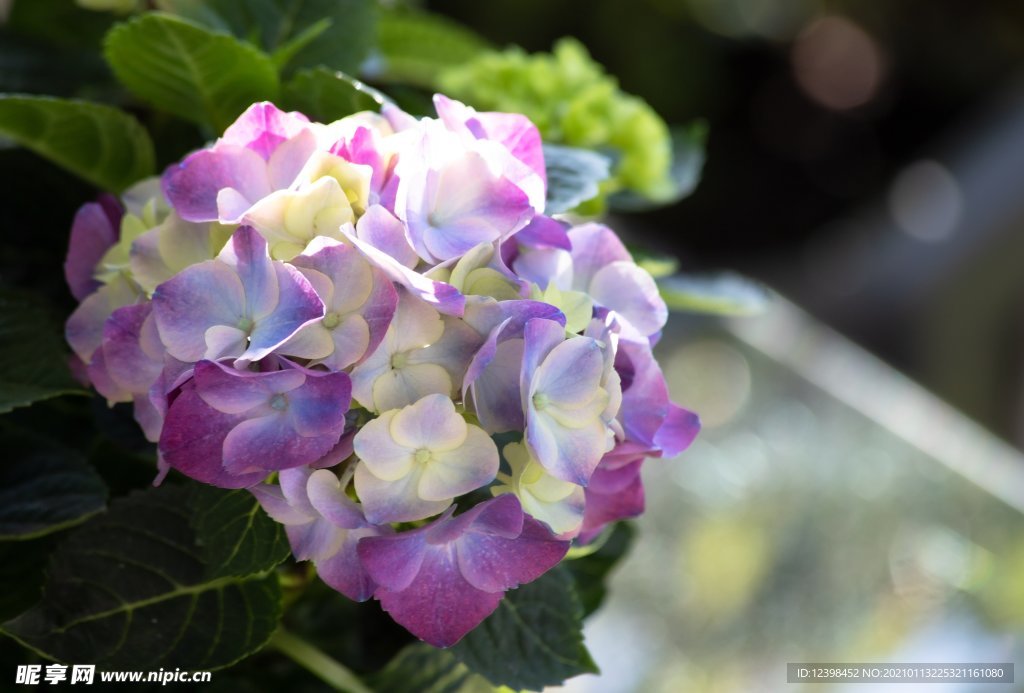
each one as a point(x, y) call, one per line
point(268, 443)
point(84, 329)
point(263, 127)
point(319, 406)
point(443, 297)
point(377, 448)
point(569, 454)
point(470, 466)
point(431, 423)
point(400, 387)
point(379, 229)
point(394, 501)
point(192, 442)
point(297, 306)
point(343, 571)
point(328, 498)
point(192, 186)
point(631, 292)
point(393, 561)
point(198, 298)
point(571, 374)
point(232, 391)
point(594, 246)
point(94, 230)
point(494, 564)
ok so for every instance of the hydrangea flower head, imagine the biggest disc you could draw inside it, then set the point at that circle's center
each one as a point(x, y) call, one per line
point(346, 319)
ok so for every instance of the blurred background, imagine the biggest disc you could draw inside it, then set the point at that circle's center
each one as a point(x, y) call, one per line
point(866, 162)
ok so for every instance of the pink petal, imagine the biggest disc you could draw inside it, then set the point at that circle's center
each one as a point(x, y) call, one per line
point(192, 186)
point(262, 127)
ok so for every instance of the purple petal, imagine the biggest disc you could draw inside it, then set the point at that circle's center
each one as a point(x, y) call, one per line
point(594, 246)
point(443, 297)
point(468, 207)
point(99, 376)
point(192, 442)
point(571, 373)
point(274, 503)
point(678, 431)
point(148, 416)
point(613, 494)
point(440, 606)
point(492, 563)
point(393, 561)
point(197, 298)
point(344, 572)
point(233, 391)
point(193, 186)
point(246, 253)
point(499, 517)
point(339, 453)
point(544, 232)
point(631, 292)
point(344, 267)
point(569, 454)
point(383, 231)
point(648, 417)
point(319, 406)
point(328, 498)
point(541, 336)
point(298, 305)
point(495, 390)
point(134, 358)
point(84, 328)
point(95, 229)
point(270, 442)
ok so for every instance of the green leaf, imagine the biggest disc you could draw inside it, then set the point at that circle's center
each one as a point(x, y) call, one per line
point(688, 155)
point(722, 294)
point(534, 639)
point(149, 584)
point(591, 571)
point(574, 175)
point(236, 531)
point(103, 145)
point(45, 488)
point(338, 34)
point(420, 668)
point(21, 574)
point(415, 47)
point(33, 361)
point(184, 69)
point(326, 95)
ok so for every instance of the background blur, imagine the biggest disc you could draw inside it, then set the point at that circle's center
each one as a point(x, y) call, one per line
point(866, 161)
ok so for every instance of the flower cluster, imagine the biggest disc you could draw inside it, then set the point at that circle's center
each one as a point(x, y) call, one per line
point(346, 318)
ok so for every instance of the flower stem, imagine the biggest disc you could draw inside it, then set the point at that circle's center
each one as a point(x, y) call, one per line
point(316, 662)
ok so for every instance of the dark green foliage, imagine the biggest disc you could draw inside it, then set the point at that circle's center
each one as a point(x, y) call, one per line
point(163, 579)
point(534, 639)
point(33, 360)
point(45, 488)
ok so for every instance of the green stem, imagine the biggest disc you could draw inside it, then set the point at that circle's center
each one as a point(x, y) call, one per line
point(316, 662)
